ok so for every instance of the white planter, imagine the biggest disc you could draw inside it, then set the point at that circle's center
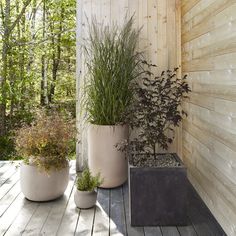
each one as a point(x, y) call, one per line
point(103, 156)
point(39, 186)
point(85, 199)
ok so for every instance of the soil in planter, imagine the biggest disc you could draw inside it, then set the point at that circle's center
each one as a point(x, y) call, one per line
point(158, 160)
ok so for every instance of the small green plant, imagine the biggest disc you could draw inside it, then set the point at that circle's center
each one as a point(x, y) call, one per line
point(87, 182)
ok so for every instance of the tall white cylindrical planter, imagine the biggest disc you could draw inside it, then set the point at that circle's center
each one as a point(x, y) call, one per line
point(103, 156)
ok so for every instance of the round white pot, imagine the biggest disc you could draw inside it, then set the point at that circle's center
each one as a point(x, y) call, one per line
point(85, 199)
point(39, 186)
point(103, 156)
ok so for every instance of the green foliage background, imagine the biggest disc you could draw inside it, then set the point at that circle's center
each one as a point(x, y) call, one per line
point(37, 62)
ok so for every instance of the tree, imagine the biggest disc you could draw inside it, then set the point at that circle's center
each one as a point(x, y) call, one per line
point(8, 28)
point(37, 65)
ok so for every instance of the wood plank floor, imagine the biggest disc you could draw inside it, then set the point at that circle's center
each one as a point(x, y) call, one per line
point(19, 216)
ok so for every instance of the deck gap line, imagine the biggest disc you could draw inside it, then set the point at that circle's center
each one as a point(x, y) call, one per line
point(22, 232)
point(10, 204)
point(9, 168)
point(2, 164)
point(178, 230)
point(77, 221)
point(47, 216)
point(7, 179)
point(12, 221)
point(59, 225)
point(193, 225)
point(143, 231)
point(161, 230)
point(109, 211)
point(94, 215)
point(10, 189)
point(123, 199)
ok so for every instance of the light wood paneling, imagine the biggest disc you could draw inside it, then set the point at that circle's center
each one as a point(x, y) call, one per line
point(209, 132)
point(159, 38)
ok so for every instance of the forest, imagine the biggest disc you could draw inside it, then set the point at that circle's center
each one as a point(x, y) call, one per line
point(37, 63)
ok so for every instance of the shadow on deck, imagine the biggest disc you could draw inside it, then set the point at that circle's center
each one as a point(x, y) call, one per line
point(200, 220)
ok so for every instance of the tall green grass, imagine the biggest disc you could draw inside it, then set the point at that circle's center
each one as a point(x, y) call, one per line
point(113, 64)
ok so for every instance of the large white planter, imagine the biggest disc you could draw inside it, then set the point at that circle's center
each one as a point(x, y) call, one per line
point(103, 156)
point(40, 186)
point(85, 199)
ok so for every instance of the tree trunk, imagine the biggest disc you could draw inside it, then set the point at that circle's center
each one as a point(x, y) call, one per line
point(5, 48)
point(44, 82)
point(22, 52)
point(32, 33)
point(56, 58)
point(8, 27)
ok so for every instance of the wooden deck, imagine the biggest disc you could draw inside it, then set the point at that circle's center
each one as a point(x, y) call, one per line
point(19, 216)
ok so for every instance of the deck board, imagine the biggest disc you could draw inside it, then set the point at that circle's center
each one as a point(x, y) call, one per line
point(3, 171)
point(56, 213)
point(8, 185)
point(9, 198)
point(38, 219)
point(68, 223)
point(150, 231)
point(131, 231)
point(187, 230)
point(22, 219)
point(169, 231)
point(19, 216)
point(201, 218)
point(102, 214)
point(7, 175)
point(117, 213)
point(2, 164)
point(85, 222)
point(11, 213)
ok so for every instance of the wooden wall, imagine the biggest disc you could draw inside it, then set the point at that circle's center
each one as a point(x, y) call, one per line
point(160, 37)
point(209, 58)
point(209, 132)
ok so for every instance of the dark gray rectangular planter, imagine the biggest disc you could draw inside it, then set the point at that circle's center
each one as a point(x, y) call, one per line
point(158, 195)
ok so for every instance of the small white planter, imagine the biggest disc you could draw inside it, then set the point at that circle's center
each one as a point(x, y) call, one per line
point(85, 199)
point(40, 186)
point(103, 156)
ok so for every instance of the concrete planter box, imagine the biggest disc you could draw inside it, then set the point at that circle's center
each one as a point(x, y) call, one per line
point(158, 195)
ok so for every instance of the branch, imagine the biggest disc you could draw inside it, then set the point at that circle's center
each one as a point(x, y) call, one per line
point(34, 10)
point(2, 13)
point(34, 42)
point(19, 16)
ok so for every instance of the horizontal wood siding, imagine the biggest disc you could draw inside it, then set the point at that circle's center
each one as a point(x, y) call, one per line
point(209, 132)
point(159, 39)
